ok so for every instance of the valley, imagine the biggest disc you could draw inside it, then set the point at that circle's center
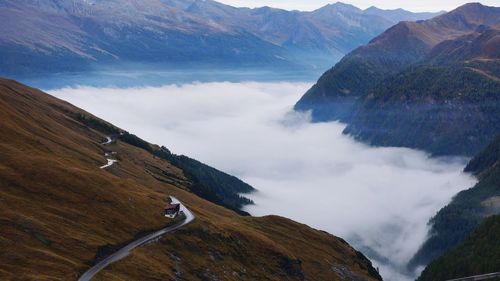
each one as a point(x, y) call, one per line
point(431, 85)
point(196, 140)
point(334, 179)
point(58, 208)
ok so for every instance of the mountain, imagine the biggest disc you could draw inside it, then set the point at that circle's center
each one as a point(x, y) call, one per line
point(453, 223)
point(398, 15)
point(39, 36)
point(60, 212)
point(431, 85)
point(476, 255)
point(63, 35)
point(449, 105)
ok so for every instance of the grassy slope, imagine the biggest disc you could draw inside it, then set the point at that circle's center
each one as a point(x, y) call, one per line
point(207, 182)
point(57, 208)
point(254, 249)
point(478, 254)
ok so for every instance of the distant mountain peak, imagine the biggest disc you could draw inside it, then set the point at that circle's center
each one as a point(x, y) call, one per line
point(475, 8)
point(471, 5)
point(374, 8)
point(340, 6)
point(470, 16)
point(399, 14)
point(73, 34)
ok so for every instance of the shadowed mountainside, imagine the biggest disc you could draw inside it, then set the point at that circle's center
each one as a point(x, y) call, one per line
point(431, 85)
point(453, 223)
point(59, 211)
point(478, 254)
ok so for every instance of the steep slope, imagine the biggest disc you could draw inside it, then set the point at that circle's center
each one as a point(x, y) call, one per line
point(66, 35)
point(207, 182)
point(447, 105)
point(485, 161)
point(478, 254)
point(59, 211)
point(336, 91)
point(459, 218)
point(431, 85)
point(232, 255)
point(359, 72)
point(63, 35)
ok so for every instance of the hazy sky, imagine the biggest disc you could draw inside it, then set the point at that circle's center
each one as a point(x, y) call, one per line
point(377, 197)
point(412, 5)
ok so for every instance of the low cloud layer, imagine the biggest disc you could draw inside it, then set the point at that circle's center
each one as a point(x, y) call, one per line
point(380, 198)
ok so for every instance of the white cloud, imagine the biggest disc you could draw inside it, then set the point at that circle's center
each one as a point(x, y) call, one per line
point(377, 197)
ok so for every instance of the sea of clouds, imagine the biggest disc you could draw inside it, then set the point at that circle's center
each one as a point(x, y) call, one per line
point(379, 199)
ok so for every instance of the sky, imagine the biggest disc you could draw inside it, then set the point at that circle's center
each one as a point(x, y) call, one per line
point(309, 5)
point(380, 198)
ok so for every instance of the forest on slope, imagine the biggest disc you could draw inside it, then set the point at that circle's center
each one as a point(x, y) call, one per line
point(478, 254)
point(456, 221)
point(432, 85)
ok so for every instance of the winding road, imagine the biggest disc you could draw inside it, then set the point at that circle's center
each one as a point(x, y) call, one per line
point(123, 252)
point(108, 140)
point(109, 164)
point(107, 154)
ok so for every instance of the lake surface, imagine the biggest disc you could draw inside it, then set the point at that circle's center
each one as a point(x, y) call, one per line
point(378, 199)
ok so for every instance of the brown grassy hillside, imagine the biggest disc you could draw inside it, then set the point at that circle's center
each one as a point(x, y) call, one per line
point(57, 208)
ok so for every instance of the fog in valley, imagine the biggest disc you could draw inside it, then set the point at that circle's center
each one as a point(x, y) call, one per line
point(379, 199)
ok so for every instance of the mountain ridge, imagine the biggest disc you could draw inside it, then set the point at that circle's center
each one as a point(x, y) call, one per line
point(62, 35)
point(411, 72)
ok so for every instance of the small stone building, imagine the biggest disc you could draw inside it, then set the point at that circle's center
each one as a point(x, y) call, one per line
point(171, 210)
